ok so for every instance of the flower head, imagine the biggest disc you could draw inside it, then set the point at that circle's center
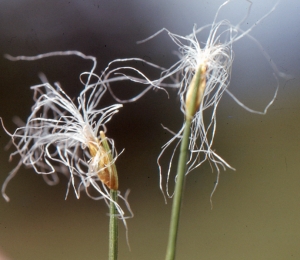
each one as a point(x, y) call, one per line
point(213, 59)
point(66, 136)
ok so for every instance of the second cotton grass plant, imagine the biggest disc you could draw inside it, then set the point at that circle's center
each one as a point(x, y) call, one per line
point(62, 136)
point(65, 136)
point(203, 72)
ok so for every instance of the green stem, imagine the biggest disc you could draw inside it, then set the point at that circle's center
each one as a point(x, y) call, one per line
point(113, 212)
point(113, 226)
point(181, 170)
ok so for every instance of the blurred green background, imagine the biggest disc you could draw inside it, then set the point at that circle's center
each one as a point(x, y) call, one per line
point(256, 209)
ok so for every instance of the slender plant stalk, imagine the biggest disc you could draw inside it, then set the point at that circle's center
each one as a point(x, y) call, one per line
point(113, 213)
point(113, 227)
point(181, 170)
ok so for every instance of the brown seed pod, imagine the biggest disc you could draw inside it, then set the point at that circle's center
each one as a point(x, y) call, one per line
point(102, 165)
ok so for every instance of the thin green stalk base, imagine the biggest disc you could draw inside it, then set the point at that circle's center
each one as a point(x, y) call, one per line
point(178, 193)
point(113, 227)
point(197, 83)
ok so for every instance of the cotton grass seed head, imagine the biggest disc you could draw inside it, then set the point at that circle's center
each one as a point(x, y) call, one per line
point(212, 61)
point(65, 136)
point(212, 58)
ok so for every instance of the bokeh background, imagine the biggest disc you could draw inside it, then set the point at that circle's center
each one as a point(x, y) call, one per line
point(256, 208)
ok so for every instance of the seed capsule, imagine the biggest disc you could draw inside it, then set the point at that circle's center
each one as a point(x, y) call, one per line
point(101, 163)
point(198, 81)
